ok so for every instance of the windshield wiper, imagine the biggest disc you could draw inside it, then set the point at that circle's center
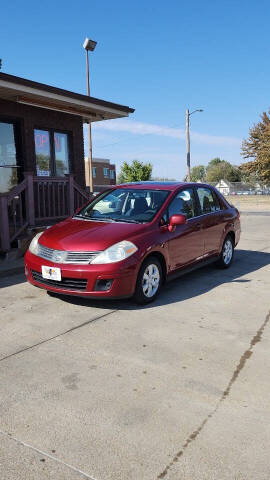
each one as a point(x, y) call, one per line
point(93, 219)
point(124, 220)
point(106, 219)
point(101, 219)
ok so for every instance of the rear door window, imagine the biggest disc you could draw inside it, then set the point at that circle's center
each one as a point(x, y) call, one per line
point(216, 200)
point(208, 200)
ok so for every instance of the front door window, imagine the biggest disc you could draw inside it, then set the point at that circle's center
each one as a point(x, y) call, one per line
point(8, 158)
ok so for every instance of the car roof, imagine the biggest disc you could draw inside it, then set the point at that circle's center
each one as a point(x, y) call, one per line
point(154, 185)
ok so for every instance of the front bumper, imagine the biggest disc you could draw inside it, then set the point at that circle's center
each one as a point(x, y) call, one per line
point(82, 280)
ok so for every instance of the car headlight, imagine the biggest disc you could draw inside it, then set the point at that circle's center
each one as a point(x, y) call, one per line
point(33, 247)
point(116, 253)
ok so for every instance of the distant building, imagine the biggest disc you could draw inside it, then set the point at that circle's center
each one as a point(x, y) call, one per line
point(238, 188)
point(224, 187)
point(104, 173)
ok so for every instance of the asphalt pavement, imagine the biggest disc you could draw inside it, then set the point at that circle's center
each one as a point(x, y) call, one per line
point(177, 390)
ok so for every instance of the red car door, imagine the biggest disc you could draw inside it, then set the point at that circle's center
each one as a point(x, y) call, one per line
point(212, 220)
point(185, 243)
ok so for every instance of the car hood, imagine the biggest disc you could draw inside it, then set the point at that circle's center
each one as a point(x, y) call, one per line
point(79, 235)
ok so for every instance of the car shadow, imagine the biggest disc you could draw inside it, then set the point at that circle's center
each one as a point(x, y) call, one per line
point(190, 285)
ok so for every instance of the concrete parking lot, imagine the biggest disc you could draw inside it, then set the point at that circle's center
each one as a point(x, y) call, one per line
point(109, 391)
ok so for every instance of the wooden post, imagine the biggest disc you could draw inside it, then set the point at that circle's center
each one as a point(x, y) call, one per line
point(71, 194)
point(30, 198)
point(4, 224)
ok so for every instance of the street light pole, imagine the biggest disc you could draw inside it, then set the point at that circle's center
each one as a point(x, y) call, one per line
point(90, 154)
point(89, 45)
point(87, 74)
point(188, 140)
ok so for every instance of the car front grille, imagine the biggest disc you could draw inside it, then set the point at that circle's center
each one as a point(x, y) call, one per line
point(66, 283)
point(63, 256)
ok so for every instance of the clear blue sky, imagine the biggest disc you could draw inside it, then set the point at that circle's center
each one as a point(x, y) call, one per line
point(158, 57)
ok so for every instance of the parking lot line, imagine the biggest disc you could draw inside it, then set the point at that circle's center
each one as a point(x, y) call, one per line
point(45, 454)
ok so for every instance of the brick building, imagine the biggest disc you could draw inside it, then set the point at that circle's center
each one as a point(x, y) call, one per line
point(104, 173)
point(42, 168)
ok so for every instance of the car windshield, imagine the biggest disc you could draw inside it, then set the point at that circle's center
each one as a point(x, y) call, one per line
point(125, 205)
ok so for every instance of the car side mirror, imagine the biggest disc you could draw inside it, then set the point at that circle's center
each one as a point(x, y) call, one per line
point(178, 219)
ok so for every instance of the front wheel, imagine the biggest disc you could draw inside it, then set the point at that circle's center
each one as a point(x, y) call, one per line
point(226, 256)
point(149, 281)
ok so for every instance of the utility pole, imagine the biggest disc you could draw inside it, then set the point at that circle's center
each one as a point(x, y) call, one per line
point(188, 140)
point(188, 144)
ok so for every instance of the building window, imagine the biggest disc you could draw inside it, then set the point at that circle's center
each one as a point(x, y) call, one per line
point(61, 154)
point(112, 174)
point(94, 170)
point(43, 152)
point(52, 155)
point(106, 172)
point(8, 159)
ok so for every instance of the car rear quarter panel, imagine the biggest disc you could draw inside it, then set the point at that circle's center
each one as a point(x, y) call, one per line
point(232, 224)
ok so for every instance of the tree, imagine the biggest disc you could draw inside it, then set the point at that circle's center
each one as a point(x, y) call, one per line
point(13, 179)
point(257, 147)
point(43, 161)
point(197, 173)
point(136, 172)
point(218, 169)
point(214, 162)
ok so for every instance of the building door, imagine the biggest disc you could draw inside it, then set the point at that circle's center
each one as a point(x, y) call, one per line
point(10, 174)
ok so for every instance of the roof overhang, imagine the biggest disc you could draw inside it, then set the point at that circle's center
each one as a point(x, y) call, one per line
point(40, 95)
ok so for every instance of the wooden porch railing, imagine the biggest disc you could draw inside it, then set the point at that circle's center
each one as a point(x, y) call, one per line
point(36, 201)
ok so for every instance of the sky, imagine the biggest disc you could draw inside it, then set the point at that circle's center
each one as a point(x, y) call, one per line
point(157, 57)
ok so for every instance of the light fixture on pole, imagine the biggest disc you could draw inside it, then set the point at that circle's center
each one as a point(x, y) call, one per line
point(188, 139)
point(89, 46)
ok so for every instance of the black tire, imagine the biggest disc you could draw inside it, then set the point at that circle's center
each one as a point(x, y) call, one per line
point(144, 295)
point(227, 253)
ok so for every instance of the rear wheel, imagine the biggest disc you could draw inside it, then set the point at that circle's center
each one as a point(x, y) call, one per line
point(149, 281)
point(227, 252)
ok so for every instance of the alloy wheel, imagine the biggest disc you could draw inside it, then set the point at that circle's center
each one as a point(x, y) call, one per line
point(227, 251)
point(150, 280)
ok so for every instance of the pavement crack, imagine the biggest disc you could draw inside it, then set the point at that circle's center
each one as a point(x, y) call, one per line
point(58, 335)
point(44, 454)
point(243, 359)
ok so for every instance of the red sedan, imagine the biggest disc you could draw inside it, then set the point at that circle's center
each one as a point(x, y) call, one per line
point(129, 240)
